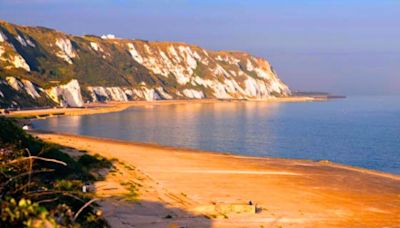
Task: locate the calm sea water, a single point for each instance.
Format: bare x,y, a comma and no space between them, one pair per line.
359,131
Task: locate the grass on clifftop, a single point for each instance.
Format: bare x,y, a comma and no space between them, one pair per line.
41,186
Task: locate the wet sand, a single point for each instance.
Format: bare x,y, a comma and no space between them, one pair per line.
190,184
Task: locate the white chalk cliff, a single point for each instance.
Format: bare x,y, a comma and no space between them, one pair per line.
90,68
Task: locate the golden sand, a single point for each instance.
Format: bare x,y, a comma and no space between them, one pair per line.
180,186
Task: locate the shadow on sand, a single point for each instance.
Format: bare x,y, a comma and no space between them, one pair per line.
122,213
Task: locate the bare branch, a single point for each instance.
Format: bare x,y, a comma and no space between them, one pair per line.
38,158
55,192
25,174
30,168
82,208
48,200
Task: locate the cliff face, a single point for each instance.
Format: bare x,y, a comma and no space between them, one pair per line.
69,70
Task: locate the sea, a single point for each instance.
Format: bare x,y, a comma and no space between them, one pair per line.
361,131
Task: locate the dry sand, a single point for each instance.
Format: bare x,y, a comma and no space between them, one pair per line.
180,186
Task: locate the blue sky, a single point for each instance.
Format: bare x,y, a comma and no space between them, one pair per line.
342,46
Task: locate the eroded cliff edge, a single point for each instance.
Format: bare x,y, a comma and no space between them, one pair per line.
41,66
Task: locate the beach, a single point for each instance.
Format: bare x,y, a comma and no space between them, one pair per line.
200,114
189,188
114,106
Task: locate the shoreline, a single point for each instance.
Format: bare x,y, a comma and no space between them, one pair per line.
203,182
115,106
225,153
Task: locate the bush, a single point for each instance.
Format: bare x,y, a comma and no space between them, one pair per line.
24,213
94,162
38,192
11,133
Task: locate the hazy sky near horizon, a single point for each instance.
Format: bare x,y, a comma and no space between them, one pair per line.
341,46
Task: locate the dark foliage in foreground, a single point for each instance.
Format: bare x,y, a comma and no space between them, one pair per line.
41,186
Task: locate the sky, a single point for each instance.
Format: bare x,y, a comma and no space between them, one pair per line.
349,47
